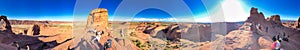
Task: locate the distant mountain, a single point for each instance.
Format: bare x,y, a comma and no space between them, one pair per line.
288,20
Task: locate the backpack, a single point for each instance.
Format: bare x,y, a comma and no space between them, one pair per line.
108,44
273,46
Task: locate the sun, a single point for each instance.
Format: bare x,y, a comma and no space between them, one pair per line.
233,11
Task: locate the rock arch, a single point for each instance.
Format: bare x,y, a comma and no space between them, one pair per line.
7,26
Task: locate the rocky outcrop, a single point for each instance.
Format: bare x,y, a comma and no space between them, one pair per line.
196,33
256,17
10,38
265,42
240,39
141,27
297,23
267,28
275,18
256,33
29,22
97,19
7,23
23,40
173,32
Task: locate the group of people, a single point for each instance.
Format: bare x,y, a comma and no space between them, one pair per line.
98,34
19,47
277,40
107,45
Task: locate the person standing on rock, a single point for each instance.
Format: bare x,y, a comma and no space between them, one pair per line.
17,45
108,31
25,31
36,29
122,33
285,37
28,48
98,36
259,26
276,42
276,45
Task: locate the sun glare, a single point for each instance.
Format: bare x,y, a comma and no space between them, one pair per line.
233,11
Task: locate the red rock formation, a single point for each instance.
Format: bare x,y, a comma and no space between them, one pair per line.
261,33
173,32
269,28
7,23
98,19
141,27
7,38
275,18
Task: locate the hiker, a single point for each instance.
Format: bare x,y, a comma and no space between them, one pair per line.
107,45
28,48
93,31
25,31
259,27
267,29
274,38
18,46
276,45
98,36
279,38
36,29
109,32
122,34
285,37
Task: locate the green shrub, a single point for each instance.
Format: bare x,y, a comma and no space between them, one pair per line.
132,34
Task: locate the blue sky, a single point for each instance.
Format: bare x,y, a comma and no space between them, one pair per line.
62,10
37,9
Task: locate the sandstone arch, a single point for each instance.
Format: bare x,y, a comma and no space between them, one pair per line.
7,26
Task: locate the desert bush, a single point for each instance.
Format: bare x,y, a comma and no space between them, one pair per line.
165,24
168,42
132,34
139,44
176,46
168,48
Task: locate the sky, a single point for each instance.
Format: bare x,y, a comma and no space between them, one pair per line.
145,10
